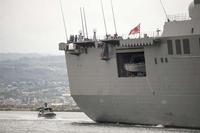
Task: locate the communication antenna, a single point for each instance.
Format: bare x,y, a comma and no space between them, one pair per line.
83,29
164,10
104,17
113,17
85,23
63,17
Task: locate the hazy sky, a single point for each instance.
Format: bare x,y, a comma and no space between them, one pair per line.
36,25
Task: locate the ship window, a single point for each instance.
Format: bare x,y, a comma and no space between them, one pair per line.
166,60
162,60
196,2
170,47
192,30
186,46
178,47
131,64
199,42
155,60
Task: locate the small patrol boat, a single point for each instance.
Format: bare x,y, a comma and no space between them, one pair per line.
46,112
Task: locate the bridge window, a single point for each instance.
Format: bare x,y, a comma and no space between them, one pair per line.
186,46
178,46
170,47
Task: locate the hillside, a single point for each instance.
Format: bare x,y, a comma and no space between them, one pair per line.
28,79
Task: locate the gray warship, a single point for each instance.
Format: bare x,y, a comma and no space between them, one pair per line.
146,80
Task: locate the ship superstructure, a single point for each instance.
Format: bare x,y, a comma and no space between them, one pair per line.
149,80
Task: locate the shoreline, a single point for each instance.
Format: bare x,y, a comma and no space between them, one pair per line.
9,109
35,108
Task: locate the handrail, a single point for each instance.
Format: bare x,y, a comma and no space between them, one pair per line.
179,17
138,35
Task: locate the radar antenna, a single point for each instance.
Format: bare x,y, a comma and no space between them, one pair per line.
63,17
164,10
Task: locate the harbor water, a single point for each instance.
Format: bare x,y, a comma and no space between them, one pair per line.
71,122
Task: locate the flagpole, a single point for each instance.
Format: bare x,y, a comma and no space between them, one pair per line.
140,30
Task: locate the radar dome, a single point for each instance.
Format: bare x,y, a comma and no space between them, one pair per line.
194,9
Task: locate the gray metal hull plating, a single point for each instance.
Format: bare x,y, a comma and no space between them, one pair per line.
177,111
168,95
168,90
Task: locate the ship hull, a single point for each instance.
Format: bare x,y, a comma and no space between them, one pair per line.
177,111
168,94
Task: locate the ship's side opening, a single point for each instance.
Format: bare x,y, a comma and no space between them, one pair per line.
131,64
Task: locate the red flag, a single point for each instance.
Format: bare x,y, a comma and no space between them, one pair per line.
135,30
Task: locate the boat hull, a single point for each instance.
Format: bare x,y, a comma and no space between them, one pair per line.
168,94
47,115
181,111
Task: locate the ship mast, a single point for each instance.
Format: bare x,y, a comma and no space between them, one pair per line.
164,10
114,18
85,23
82,23
64,22
104,20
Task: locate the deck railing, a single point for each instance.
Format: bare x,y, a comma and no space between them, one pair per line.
179,17
157,33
